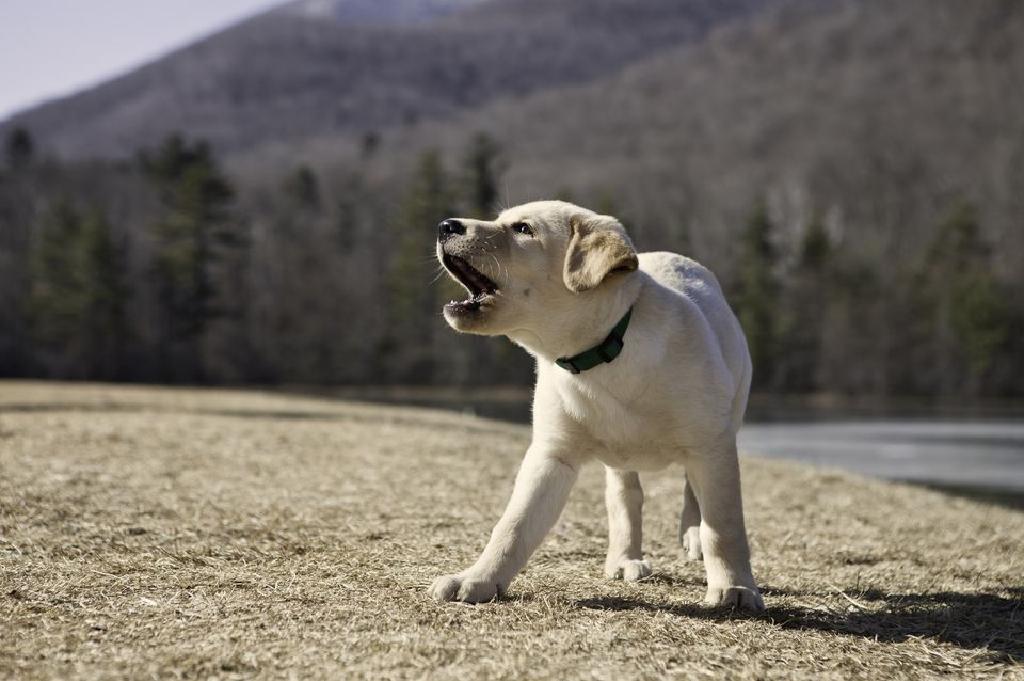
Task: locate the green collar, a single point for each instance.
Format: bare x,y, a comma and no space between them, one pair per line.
605,351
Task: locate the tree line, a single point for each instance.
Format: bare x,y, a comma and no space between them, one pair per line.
817,319
165,268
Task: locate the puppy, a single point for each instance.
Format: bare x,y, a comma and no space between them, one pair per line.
640,364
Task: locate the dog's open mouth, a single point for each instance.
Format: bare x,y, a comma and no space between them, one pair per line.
481,289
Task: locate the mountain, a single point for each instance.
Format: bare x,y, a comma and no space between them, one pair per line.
882,113
850,169
891,133
307,70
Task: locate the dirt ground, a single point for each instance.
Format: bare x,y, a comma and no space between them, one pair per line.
164,533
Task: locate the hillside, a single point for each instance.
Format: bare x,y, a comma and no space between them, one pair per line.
189,534
290,75
848,168
875,113
877,122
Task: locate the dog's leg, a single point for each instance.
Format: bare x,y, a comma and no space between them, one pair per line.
541,488
624,498
715,476
689,522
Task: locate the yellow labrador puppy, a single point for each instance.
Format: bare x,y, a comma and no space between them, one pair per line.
640,363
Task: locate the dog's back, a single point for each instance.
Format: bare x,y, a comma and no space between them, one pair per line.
700,286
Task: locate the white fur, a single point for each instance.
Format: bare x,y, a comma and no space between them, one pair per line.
676,394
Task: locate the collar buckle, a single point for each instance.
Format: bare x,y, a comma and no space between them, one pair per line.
568,365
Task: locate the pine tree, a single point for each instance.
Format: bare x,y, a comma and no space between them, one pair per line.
816,247
369,143
78,294
55,299
806,297
970,316
412,303
104,285
757,294
483,166
197,240
303,188
19,148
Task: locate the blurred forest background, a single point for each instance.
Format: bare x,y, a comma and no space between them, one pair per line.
260,207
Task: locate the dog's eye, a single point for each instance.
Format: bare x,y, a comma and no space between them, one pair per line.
522,228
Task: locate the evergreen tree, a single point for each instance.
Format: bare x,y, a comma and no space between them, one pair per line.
19,148
967,306
807,296
78,294
55,300
483,167
369,143
303,188
104,285
197,242
757,294
815,247
413,304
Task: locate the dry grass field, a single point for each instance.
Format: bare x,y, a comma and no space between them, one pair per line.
162,533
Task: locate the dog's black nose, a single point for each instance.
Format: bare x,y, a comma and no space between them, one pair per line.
449,227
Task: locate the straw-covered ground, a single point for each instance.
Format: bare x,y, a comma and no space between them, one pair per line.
194,534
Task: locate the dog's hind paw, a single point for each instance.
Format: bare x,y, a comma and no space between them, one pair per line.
465,588
691,543
627,569
739,597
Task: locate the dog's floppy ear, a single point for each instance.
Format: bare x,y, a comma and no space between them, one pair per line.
598,247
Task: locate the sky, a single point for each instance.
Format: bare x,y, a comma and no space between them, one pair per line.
50,48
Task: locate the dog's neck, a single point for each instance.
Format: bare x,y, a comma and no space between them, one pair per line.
582,327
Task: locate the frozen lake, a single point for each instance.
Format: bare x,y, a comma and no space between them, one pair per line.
972,450
977,454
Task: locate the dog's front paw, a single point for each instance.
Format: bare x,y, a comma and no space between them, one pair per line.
740,597
465,588
626,569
